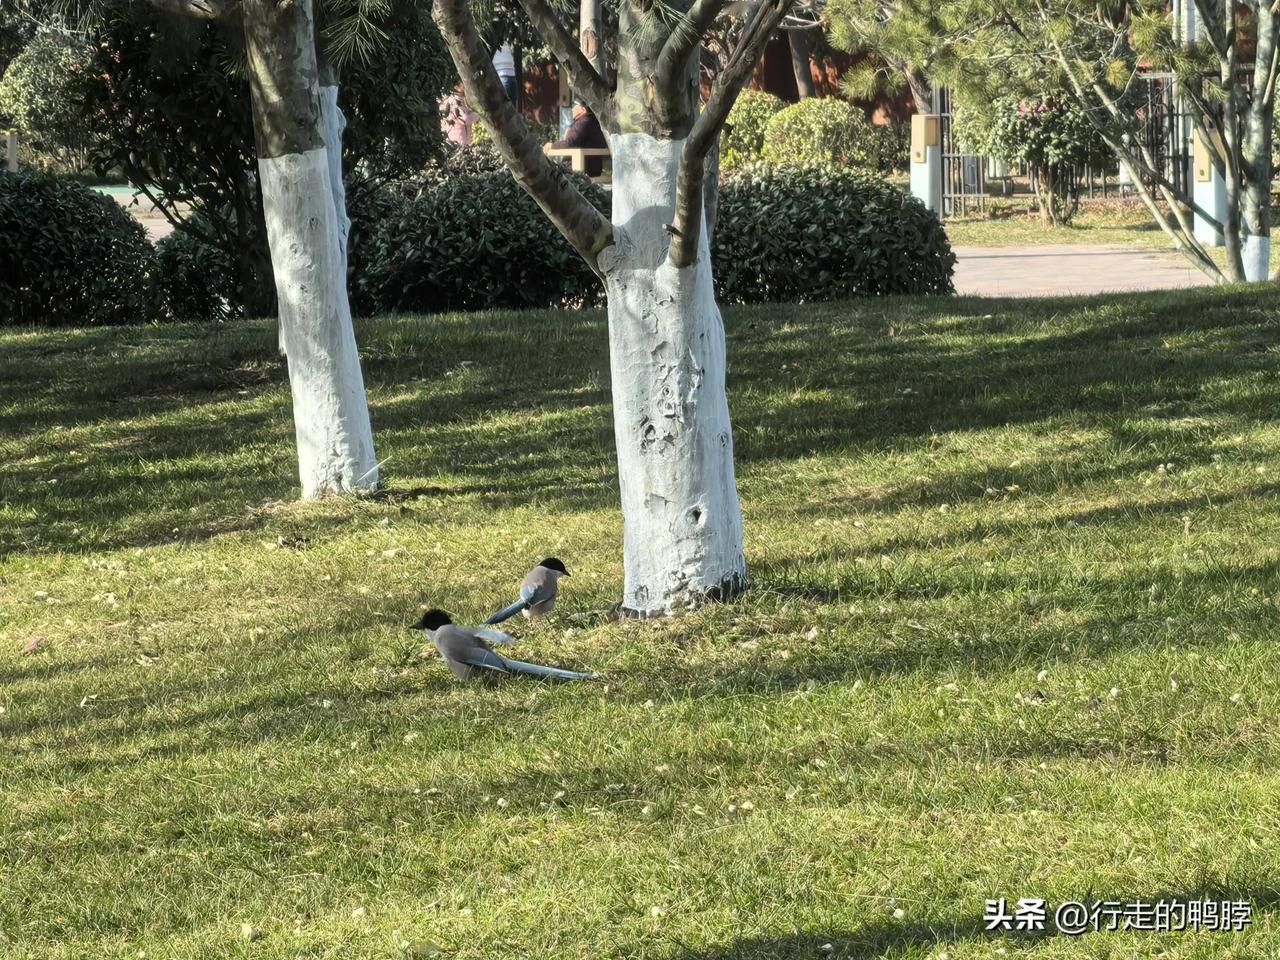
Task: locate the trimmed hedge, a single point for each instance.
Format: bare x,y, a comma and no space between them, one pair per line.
71,256
824,233
474,242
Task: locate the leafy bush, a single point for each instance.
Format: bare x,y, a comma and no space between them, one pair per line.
40,94
821,130
196,279
743,138
824,233
71,256
446,249
893,147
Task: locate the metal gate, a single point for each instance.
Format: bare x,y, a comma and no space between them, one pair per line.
964,187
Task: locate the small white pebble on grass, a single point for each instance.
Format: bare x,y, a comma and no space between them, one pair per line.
357,913
898,913
656,912
502,803
646,810
249,932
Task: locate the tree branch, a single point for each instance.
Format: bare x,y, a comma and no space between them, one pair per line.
706,129
582,224
583,76
685,37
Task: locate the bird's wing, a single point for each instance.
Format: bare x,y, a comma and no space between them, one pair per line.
494,636
480,656
538,587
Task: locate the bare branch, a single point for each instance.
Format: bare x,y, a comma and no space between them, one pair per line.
583,76
547,182
706,129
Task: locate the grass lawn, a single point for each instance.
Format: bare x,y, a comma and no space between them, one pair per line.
1013,222
1013,633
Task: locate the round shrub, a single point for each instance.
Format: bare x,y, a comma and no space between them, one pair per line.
197,279
474,242
821,130
71,256
824,233
743,136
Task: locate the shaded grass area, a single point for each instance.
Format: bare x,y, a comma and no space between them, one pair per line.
1012,634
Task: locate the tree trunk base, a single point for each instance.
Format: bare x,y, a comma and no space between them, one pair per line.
682,525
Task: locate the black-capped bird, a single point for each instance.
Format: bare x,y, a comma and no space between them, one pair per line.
466,650
538,592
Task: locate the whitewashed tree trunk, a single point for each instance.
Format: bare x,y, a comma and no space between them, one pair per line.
330,413
333,123
299,140
682,525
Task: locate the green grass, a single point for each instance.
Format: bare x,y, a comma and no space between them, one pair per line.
1012,633
1014,222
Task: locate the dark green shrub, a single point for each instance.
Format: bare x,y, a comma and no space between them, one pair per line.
197,279
70,256
743,136
474,242
893,147
824,233
821,130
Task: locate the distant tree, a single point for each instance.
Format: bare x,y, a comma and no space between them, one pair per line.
38,93
1225,75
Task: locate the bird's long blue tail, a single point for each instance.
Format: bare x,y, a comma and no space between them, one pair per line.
552,673
506,613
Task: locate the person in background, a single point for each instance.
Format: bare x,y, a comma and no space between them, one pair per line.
457,118
584,132
504,65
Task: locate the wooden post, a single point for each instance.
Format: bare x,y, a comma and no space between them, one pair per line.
11,150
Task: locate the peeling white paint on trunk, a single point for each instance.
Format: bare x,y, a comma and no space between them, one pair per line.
330,413
682,525
333,122
1255,253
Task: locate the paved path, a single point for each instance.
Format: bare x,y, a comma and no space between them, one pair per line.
1069,268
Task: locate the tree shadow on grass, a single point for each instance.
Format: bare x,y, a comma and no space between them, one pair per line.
882,940
825,378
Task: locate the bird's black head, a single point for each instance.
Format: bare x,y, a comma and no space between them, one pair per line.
554,563
432,620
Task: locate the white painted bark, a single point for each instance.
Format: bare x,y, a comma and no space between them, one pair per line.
333,122
682,525
1255,254
330,412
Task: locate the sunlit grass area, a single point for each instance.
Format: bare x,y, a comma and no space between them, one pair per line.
1012,633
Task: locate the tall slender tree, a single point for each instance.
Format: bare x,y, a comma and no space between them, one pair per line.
682,525
298,131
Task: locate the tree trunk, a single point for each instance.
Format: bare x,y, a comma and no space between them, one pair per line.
307,238
682,525
1255,152
798,41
